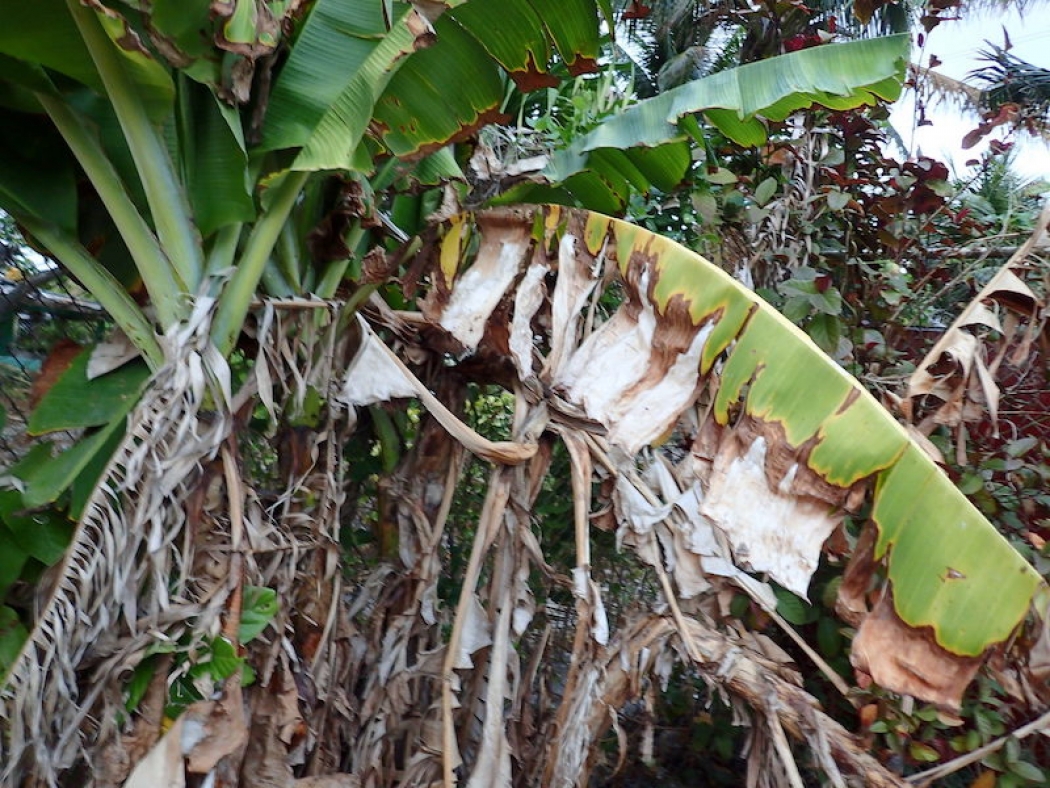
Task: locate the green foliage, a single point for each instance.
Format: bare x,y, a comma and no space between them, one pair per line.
258,608
75,401
30,541
198,673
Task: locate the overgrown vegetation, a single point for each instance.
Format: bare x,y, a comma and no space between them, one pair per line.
472,564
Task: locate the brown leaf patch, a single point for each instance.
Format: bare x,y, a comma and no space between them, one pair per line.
491,116
219,727
57,362
532,77
908,660
782,457
851,604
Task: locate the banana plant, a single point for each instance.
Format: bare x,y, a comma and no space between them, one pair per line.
179,158
165,153
146,147
180,151
782,443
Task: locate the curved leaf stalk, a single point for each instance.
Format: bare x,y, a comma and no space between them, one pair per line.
102,285
167,200
153,265
334,272
286,255
237,296
223,250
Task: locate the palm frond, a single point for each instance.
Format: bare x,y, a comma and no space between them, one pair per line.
1007,78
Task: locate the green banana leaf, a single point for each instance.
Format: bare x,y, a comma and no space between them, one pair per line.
448,90
643,145
195,163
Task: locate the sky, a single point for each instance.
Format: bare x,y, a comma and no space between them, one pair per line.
957,45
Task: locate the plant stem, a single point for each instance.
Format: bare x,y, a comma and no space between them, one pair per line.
954,765
167,200
101,284
287,257
223,248
152,264
237,297
333,273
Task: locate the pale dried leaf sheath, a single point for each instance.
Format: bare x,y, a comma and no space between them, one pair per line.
127,541
376,374
641,649
964,350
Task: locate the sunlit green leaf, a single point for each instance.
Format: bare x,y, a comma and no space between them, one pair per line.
839,76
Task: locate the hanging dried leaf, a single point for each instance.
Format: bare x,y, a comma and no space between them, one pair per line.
164,763
959,370
909,660
796,458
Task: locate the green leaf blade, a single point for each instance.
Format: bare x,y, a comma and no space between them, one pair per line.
75,402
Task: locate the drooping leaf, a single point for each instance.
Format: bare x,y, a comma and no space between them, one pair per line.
795,438
419,108
336,38
516,39
573,27
455,86
335,142
739,100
